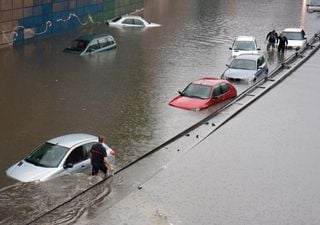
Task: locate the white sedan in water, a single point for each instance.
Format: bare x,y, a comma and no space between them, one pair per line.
296,37
58,156
244,45
131,21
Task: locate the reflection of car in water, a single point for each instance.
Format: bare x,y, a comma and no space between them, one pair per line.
296,37
61,155
246,67
131,21
89,44
202,93
313,6
244,44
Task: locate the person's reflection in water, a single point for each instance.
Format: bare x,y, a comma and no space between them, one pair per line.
270,57
281,58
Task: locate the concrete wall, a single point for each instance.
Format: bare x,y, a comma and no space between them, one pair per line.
22,21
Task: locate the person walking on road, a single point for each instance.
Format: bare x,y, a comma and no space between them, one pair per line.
272,37
282,43
99,160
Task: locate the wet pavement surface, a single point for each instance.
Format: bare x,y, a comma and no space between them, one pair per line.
122,94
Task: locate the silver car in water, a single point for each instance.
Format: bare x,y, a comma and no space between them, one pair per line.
66,154
131,21
90,44
246,67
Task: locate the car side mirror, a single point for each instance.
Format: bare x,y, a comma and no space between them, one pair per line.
258,49
227,65
180,93
68,165
230,48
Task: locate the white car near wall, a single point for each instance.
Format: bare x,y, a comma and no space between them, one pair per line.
131,21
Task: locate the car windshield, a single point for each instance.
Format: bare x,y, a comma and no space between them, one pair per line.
244,64
47,155
293,35
116,19
197,91
314,2
79,45
244,45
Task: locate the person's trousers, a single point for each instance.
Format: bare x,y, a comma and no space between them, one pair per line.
97,167
281,48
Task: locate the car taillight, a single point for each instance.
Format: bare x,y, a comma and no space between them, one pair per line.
112,152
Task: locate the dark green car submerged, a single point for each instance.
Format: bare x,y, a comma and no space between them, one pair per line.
90,44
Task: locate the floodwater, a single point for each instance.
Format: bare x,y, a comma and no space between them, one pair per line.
124,93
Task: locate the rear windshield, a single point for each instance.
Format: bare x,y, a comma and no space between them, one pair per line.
293,35
116,19
314,2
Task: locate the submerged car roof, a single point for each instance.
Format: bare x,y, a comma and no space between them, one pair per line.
292,30
70,140
126,17
90,37
210,81
131,16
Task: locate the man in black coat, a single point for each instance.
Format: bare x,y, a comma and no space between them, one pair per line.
282,43
272,37
99,160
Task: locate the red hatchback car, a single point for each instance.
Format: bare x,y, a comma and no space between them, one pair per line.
205,92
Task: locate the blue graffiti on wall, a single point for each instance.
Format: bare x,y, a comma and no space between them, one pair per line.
47,22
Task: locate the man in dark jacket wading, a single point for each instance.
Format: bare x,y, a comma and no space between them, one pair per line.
272,37
282,43
99,160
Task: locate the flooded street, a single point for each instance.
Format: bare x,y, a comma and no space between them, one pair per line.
123,93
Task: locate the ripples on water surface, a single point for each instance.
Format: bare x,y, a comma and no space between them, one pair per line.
22,203
123,93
